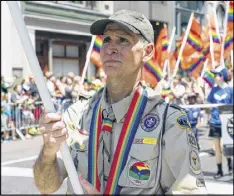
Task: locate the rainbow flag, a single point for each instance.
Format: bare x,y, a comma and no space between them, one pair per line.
214,34
194,36
152,67
161,46
97,43
209,78
200,60
230,14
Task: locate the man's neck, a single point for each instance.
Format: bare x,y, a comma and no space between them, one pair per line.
119,88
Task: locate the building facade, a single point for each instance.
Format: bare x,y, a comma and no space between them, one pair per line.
59,30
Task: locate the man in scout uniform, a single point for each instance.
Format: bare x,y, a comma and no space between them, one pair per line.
116,137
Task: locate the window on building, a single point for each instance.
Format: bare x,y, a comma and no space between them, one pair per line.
220,16
91,4
193,5
39,48
17,72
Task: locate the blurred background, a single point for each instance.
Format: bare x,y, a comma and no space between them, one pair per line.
59,31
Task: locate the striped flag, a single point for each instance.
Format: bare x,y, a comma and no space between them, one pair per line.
208,77
215,38
161,46
95,54
230,16
228,41
154,69
193,42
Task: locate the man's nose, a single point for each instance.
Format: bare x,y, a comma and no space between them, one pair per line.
111,48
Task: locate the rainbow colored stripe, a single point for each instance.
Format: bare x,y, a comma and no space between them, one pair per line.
107,125
97,44
152,67
164,44
194,40
126,137
209,78
230,12
214,34
95,130
193,66
228,41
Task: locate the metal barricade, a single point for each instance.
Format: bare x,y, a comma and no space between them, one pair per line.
25,118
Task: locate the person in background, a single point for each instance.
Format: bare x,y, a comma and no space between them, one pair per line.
18,99
178,89
193,115
220,93
6,118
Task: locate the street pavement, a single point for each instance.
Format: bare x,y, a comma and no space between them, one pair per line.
18,158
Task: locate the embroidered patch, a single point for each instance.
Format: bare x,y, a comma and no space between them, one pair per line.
191,139
200,182
150,122
183,122
194,161
139,173
145,140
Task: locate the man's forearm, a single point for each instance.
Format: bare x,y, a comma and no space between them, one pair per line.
47,175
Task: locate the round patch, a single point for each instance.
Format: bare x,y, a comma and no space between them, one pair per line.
139,173
194,160
150,122
183,122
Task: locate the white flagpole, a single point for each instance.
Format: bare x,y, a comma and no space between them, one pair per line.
204,67
42,88
224,35
232,58
183,43
87,59
166,64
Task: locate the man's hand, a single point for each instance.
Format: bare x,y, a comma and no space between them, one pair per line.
87,186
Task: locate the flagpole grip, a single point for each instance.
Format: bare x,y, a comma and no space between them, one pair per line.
42,88
183,43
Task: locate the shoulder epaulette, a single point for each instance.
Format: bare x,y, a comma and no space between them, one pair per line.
176,107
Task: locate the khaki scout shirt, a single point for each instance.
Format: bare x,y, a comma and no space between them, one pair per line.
181,169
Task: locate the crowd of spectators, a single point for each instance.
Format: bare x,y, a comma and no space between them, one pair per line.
20,98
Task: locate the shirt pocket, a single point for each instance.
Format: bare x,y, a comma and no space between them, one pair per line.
79,155
140,169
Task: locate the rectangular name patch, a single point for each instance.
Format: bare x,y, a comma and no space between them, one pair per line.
145,140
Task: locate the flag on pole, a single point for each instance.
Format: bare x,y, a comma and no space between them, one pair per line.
95,54
194,42
215,38
228,41
209,78
230,16
154,69
161,46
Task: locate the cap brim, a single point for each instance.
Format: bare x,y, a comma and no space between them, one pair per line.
214,71
98,27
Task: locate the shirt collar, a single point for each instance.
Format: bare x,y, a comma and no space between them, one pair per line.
120,108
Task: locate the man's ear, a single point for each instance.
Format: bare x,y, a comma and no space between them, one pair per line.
148,52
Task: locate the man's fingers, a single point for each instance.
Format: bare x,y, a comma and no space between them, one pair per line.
87,186
50,117
59,133
46,128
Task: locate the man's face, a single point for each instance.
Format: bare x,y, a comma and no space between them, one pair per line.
121,52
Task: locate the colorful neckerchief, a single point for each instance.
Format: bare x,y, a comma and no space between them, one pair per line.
130,126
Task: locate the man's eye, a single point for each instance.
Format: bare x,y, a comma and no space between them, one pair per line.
106,39
122,39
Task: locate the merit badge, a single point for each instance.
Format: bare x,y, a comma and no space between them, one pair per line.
139,173
191,139
194,160
183,122
200,182
150,122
